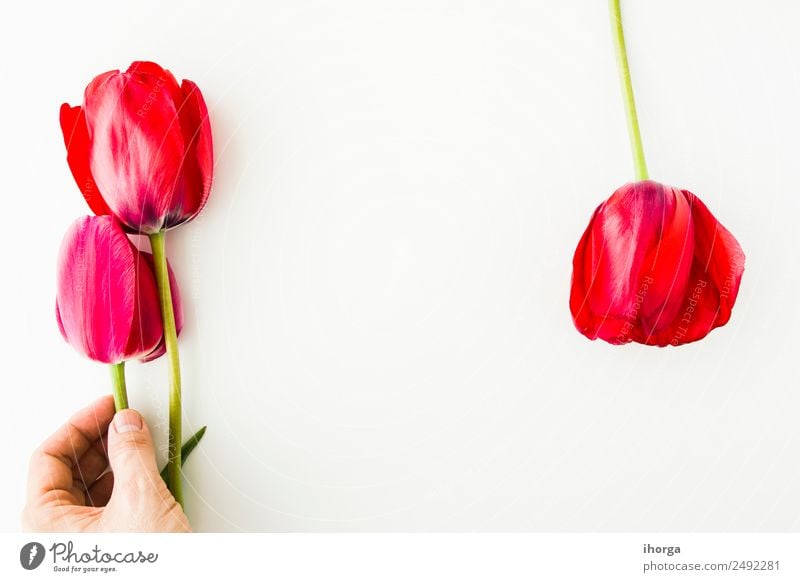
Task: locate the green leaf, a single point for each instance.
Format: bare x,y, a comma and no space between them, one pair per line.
187,448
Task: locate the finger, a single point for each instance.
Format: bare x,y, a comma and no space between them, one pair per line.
52,464
140,500
130,448
139,490
92,464
100,492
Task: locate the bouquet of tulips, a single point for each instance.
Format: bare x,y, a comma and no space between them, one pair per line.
140,151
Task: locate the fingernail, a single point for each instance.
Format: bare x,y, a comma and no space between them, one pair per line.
127,421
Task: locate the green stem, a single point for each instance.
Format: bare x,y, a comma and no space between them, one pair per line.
627,91
119,390
157,242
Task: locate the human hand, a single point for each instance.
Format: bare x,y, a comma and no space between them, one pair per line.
69,489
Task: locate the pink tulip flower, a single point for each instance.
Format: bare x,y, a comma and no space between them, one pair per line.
107,304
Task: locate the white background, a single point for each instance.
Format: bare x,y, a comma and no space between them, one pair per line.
377,325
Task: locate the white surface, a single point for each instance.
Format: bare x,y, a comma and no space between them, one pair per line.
377,327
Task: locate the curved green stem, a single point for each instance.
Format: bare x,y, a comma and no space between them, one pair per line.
119,390
627,91
158,244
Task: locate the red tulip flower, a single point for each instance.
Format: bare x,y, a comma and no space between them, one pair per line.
140,147
107,303
654,267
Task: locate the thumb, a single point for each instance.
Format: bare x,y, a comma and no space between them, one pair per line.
131,454
140,500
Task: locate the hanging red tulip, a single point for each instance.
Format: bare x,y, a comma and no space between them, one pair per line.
107,300
140,147
654,265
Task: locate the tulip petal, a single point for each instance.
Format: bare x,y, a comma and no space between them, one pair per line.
94,289
146,330
718,256
198,162
627,225
610,260
150,73
610,328
137,146
76,138
101,299
717,268
697,316
148,68
667,266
